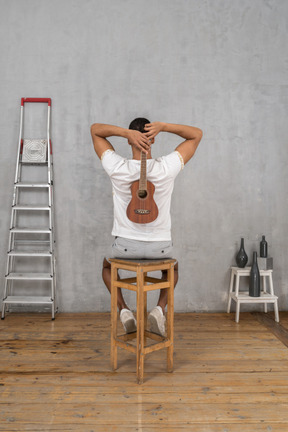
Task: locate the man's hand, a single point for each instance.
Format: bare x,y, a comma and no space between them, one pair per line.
192,136
153,129
100,133
139,140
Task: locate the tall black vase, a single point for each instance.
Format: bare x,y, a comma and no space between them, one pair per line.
241,257
254,282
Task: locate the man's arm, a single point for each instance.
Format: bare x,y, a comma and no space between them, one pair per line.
192,136
100,133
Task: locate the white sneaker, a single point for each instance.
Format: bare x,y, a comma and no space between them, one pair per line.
156,321
128,320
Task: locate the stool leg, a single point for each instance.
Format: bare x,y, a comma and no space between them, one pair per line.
230,291
145,310
145,316
264,291
276,311
237,299
113,317
264,284
170,319
140,326
271,284
237,285
237,311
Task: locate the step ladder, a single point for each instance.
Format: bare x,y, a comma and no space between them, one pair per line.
32,247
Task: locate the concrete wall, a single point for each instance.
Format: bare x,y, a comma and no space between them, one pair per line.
219,65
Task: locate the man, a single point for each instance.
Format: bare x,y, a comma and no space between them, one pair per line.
150,240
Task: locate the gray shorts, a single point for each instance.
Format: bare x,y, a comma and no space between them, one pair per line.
136,249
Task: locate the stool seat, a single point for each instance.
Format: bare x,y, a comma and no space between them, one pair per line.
243,296
143,261
141,284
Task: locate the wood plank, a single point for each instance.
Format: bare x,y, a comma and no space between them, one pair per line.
184,380
88,394
271,427
95,414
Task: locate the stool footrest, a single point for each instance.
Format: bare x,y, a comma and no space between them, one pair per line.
153,280
156,286
244,297
130,280
125,345
165,344
122,343
129,286
153,336
130,336
127,336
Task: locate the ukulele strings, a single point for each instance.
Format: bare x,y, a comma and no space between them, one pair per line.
143,174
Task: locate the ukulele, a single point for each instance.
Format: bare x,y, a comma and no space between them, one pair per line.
142,207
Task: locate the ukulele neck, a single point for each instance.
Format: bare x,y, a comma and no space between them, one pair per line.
143,176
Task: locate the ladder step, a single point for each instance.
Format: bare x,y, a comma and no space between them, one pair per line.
30,207
31,230
28,300
33,242
32,253
32,185
29,276
34,163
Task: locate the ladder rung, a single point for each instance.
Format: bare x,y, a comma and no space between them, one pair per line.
29,276
30,207
34,163
28,300
32,242
32,185
32,253
31,230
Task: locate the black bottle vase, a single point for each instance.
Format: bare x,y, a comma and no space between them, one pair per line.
241,257
254,282
263,248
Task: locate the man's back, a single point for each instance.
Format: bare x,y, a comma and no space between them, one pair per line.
161,172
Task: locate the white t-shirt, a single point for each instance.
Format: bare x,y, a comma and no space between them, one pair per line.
123,172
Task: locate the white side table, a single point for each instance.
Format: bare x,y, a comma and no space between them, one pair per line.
243,296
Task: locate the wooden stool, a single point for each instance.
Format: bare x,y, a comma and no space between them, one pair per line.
243,296
141,284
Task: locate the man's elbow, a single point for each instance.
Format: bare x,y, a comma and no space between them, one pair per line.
93,129
199,135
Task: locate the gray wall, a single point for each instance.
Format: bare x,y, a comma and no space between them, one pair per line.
220,65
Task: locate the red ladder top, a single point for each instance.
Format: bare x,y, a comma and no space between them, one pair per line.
43,100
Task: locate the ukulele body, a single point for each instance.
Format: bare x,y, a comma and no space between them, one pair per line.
142,209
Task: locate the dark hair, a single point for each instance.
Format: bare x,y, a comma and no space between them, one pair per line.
139,124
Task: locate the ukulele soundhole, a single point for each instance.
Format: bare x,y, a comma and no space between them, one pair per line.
142,193
142,212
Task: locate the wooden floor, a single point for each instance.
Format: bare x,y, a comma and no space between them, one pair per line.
55,376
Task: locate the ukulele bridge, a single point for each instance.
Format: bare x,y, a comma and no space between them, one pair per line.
141,211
